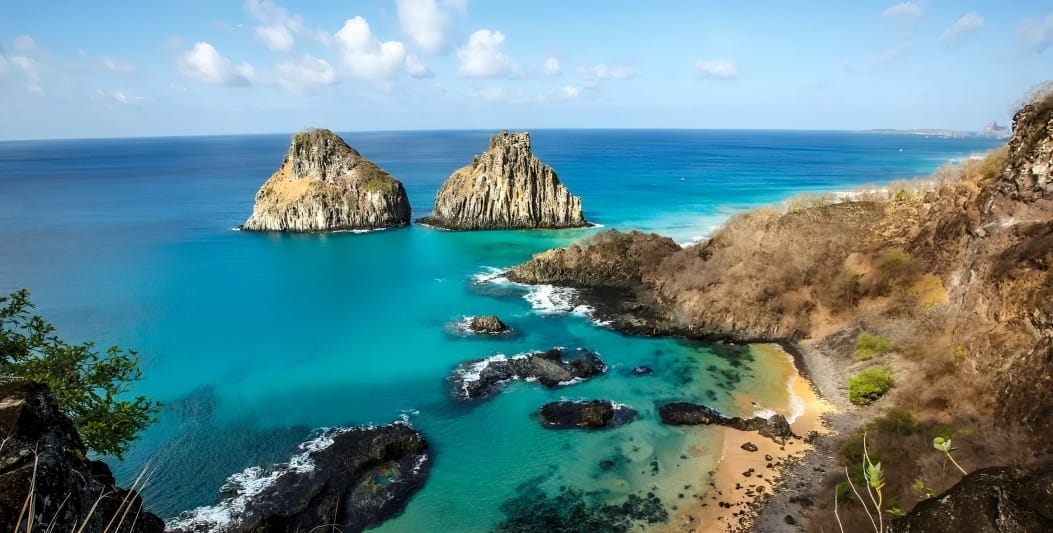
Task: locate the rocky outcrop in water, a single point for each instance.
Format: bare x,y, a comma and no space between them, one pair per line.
325,185
473,380
346,479
992,500
42,454
1030,159
487,324
693,414
592,414
506,187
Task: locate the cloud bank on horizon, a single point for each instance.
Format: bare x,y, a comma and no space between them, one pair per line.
200,67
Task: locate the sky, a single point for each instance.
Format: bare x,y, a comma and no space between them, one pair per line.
106,68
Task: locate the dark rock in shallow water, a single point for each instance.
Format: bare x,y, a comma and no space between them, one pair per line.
693,414
534,511
346,478
590,414
36,436
991,500
488,324
643,371
483,378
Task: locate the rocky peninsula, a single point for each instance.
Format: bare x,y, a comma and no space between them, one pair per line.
506,187
325,185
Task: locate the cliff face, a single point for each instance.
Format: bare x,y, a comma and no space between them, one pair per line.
325,185
42,461
1031,151
505,188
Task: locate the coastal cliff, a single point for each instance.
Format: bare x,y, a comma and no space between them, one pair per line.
954,276
506,187
45,478
325,185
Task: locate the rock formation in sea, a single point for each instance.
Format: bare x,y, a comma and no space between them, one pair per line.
592,414
42,462
482,378
693,414
487,324
325,185
996,500
506,187
345,479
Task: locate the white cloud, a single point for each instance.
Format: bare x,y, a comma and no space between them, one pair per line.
204,63
717,68
277,37
606,72
365,56
25,43
481,56
425,23
969,23
416,68
552,66
893,54
297,74
905,10
570,92
1037,33
117,65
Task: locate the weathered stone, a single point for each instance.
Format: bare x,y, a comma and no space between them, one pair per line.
693,414
488,324
41,453
584,414
483,378
325,185
348,479
1029,168
506,187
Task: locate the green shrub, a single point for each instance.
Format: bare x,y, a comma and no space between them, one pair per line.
869,346
869,385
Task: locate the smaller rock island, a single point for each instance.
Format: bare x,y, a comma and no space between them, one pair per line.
325,185
506,187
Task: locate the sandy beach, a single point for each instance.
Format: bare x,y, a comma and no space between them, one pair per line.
750,465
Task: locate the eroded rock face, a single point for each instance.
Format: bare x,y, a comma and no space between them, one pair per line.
693,414
487,324
990,500
325,185
32,429
506,187
1030,160
473,380
347,478
593,414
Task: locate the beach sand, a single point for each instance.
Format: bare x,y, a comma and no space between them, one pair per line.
743,477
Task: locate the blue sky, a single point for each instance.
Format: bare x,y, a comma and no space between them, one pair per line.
107,68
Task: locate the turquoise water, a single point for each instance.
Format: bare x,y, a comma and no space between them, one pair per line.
251,340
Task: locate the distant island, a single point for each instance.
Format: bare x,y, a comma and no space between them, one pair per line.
990,131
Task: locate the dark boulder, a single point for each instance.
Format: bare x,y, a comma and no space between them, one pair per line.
348,479
483,378
693,414
66,488
584,414
488,324
749,447
991,500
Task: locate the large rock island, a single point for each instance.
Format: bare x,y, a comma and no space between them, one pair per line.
325,185
506,187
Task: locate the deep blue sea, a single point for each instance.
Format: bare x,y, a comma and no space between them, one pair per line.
252,340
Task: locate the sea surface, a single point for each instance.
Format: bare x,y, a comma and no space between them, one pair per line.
254,340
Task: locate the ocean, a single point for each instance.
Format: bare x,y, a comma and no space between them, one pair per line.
254,340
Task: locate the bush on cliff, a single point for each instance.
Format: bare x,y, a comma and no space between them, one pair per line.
869,385
90,386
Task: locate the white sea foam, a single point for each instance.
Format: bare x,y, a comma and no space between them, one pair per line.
243,486
420,463
796,404
764,413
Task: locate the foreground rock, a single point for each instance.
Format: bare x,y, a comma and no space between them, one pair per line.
325,185
506,187
592,414
473,380
488,324
346,479
34,434
991,500
693,414
1029,168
